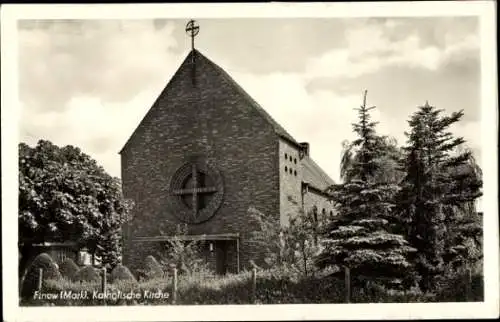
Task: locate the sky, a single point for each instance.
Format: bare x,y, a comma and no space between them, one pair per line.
88,83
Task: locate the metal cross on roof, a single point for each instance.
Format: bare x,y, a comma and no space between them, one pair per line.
192,29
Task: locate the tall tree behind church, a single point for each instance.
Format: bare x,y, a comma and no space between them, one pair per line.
387,169
441,184
359,237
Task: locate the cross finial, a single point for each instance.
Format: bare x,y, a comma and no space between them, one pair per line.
192,29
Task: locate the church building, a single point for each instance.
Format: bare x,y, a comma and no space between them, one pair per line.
203,155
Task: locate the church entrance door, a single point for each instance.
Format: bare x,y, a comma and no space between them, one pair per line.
221,257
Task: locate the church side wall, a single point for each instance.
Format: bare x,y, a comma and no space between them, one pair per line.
324,206
211,121
290,181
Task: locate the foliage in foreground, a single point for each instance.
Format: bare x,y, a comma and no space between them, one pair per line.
65,195
152,269
50,272
186,256
87,274
121,273
274,286
293,245
68,269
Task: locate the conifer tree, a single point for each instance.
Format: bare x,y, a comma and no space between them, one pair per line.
359,237
437,191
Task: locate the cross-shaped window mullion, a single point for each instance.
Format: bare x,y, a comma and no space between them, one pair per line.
195,194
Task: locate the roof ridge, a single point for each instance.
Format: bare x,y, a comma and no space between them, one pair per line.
277,127
166,87
317,171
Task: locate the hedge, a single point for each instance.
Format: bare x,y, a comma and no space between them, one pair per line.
121,273
68,269
30,282
454,288
153,269
87,274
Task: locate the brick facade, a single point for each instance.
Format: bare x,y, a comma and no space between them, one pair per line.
295,176
214,121
316,199
290,181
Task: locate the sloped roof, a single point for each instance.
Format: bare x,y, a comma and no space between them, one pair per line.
277,127
280,131
314,175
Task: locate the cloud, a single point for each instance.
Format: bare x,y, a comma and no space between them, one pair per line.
113,59
372,46
98,127
89,83
322,118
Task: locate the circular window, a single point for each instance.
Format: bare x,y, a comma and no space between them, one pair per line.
196,192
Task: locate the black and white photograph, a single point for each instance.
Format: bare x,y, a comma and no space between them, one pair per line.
273,161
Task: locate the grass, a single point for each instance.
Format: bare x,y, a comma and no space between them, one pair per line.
273,286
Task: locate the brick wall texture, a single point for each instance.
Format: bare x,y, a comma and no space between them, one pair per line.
213,120
290,181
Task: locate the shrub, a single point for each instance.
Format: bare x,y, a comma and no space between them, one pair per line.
152,269
68,268
186,256
87,274
30,282
374,292
121,273
457,287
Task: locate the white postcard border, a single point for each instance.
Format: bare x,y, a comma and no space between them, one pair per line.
9,139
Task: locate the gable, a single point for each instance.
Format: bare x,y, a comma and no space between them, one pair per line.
276,126
207,63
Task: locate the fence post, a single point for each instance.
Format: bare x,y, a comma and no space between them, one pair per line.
103,284
347,284
40,279
468,285
103,280
254,285
174,286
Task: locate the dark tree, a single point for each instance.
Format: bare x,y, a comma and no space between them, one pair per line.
360,236
64,195
440,185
